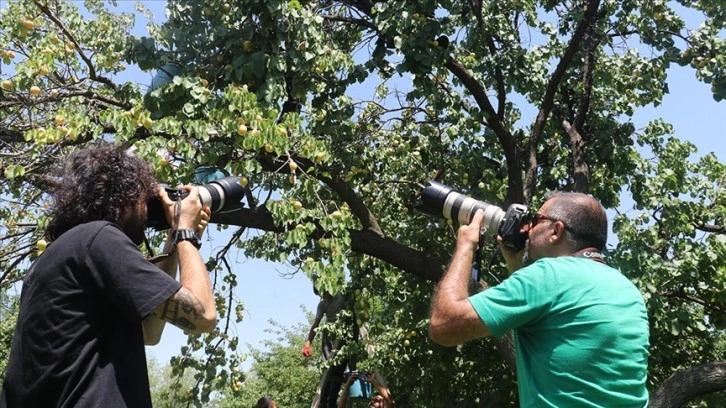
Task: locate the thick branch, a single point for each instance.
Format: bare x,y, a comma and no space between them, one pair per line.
476,8
505,138
11,136
425,265
580,170
589,18
499,77
716,229
422,264
583,105
686,385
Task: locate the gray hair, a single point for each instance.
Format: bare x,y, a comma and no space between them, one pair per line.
586,224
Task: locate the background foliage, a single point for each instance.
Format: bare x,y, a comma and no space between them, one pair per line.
335,113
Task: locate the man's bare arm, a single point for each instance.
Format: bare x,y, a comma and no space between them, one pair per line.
453,319
183,310
191,308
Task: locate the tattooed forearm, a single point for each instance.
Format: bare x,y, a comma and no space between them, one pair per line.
182,307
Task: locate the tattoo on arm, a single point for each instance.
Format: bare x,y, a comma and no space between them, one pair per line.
181,307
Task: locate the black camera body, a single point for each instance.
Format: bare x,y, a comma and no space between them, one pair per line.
225,194
510,226
441,201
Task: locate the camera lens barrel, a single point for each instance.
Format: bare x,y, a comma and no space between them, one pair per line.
462,208
440,200
212,196
223,194
220,195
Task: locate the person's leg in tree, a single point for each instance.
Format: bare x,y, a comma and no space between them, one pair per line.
327,346
328,393
334,384
324,395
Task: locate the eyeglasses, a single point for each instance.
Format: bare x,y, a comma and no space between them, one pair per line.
539,217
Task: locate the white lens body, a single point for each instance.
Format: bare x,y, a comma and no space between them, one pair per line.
462,208
206,196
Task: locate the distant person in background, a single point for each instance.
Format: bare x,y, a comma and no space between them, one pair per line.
382,399
328,307
266,402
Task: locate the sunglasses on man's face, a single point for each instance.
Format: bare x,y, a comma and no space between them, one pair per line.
536,218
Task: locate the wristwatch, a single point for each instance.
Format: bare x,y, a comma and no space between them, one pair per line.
187,235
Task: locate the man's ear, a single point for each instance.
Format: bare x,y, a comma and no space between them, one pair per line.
558,232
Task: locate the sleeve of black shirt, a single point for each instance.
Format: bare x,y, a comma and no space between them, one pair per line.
130,282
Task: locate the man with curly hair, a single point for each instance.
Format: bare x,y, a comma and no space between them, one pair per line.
91,300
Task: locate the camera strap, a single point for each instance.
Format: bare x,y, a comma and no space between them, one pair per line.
158,258
590,253
476,267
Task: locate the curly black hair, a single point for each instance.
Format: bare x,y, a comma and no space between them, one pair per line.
97,183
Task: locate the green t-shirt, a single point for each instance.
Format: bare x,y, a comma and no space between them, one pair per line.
581,333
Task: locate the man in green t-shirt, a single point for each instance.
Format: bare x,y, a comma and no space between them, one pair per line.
580,327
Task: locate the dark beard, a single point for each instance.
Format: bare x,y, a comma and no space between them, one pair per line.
526,260
136,231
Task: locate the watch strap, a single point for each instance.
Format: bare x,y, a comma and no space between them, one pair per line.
187,235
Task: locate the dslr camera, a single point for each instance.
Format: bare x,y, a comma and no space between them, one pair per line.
220,195
441,201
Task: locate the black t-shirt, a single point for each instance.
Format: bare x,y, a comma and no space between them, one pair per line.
78,340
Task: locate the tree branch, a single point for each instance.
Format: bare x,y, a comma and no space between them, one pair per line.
583,105
630,32
580,169
91,69
716,229
503,135
11,136
356,21
681,294
357,206
499,77
419,263
87,93
686,385
588,19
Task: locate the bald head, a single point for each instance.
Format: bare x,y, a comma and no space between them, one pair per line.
584,217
